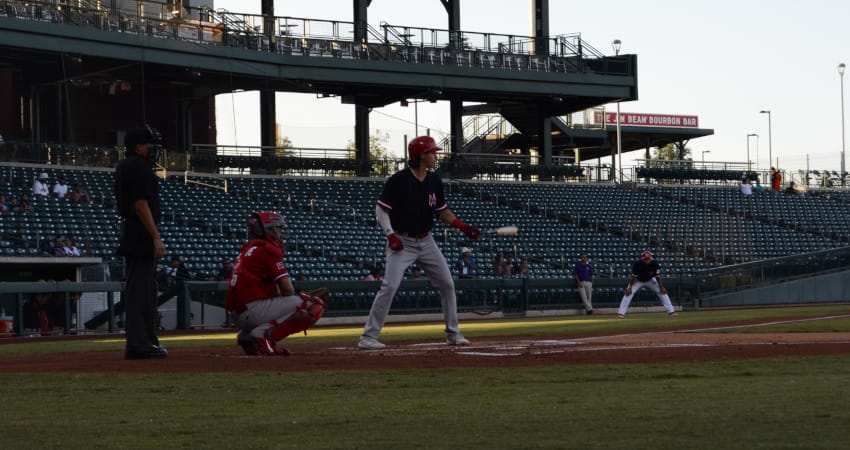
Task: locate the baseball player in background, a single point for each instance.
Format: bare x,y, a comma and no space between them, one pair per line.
405,212
584,273
260,299
646,273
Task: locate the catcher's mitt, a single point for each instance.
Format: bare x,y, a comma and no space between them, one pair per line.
322,292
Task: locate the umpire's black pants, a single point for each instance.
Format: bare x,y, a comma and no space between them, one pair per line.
140,297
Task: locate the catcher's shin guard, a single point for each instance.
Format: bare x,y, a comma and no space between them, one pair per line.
310,310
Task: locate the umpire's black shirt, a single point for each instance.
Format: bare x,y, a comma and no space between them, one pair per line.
136,180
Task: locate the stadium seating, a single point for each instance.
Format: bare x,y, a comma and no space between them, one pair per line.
331,233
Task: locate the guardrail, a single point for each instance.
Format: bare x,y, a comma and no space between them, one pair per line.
767,272
509,296
566,53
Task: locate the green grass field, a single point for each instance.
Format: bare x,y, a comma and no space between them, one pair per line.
772,403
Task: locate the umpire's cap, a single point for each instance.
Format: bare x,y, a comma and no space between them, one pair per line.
144,135
138,136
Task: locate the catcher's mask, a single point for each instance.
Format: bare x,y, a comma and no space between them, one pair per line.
267,225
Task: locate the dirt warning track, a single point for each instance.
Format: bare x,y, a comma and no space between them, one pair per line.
680,345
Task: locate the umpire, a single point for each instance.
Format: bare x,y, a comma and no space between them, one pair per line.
137,193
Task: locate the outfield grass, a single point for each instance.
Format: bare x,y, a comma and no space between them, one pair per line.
775,403
771,404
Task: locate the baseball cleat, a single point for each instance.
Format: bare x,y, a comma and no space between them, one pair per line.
457,340
674,313
150,352
269,347
621,316
250,347
370,344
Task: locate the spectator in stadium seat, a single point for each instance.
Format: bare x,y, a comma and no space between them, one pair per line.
4,205
775,180
56,247
70,247
225,271
73,196
24,206
792,189
509,266
758,187
415,273
466,264
746,187
498,265
81,193
39,185
60,189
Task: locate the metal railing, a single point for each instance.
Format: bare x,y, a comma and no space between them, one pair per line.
326,38
766,272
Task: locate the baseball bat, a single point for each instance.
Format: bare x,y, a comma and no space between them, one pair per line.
509,230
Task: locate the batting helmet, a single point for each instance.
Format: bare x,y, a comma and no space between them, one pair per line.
267,225
420,146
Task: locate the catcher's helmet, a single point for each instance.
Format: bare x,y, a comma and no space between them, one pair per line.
420,146
267,225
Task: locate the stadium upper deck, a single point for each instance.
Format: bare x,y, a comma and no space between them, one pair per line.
88,71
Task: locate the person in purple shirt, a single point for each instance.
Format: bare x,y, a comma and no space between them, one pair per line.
584,274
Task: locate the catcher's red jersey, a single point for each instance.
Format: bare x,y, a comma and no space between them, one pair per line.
255,274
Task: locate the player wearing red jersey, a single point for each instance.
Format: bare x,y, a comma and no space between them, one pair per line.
260,299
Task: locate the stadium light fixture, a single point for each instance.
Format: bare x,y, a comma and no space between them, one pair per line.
769,138
703,157
749,163
616,45
841,76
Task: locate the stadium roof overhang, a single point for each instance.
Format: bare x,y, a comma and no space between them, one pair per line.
49,53
599,143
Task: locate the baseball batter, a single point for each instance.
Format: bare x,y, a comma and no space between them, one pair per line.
260,299
646,273
405,212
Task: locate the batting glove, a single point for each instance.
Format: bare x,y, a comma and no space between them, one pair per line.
394,242
470,231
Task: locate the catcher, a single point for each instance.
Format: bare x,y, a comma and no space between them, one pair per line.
260,299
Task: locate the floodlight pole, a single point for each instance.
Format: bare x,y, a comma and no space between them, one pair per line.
769,138
841,75
616,45
749,163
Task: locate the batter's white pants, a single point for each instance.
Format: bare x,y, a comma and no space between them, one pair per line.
428,257
585,292
652,285
259,314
